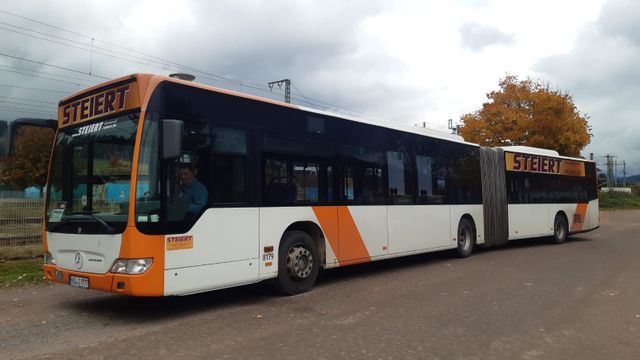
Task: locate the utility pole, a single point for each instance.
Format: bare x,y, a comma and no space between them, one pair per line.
610,176
624,174
287,88
454,129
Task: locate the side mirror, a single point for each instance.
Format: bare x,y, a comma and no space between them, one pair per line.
9,129
4,138
171,138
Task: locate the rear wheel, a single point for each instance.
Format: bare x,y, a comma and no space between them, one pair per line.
298,263
466,237
560,229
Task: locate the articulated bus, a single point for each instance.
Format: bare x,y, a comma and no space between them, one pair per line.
160,186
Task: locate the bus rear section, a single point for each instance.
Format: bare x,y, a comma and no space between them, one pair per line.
530,192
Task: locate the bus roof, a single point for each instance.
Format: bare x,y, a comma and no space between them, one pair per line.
145,78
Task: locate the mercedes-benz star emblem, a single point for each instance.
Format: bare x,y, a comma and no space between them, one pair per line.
78,260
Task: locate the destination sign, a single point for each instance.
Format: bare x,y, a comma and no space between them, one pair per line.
543,164
108,102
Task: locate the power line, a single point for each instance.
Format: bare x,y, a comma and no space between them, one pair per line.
25,104
86,47
44,77
42,72
51,65
36,89
12,108
85,36
167,65
31,100
163,62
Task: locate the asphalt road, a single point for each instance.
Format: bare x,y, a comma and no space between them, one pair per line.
527,300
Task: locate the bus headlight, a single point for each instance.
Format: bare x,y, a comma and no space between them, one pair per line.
131,266
48,259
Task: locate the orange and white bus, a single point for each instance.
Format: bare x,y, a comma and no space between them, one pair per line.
160,186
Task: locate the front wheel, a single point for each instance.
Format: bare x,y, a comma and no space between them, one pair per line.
560,229
466,237
298,263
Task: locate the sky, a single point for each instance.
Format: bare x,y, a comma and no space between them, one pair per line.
409,62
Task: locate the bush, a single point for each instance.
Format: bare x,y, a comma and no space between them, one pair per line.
617,200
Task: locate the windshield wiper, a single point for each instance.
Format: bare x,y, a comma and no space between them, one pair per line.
107,227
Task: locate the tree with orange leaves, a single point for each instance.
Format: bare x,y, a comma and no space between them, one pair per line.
29,163
525,112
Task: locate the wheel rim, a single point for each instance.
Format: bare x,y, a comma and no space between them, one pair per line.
299,262
560,231
464,238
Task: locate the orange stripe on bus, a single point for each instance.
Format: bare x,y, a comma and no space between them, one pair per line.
579,217
328,219
342,234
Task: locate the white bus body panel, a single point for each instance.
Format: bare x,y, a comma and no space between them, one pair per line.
224,252
535,220
97,252
530,220
418,227
371,222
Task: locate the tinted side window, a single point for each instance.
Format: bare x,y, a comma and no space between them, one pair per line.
296,182
533,188
401,175
364,178
229,166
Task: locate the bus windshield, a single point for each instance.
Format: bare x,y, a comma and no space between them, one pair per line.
90,177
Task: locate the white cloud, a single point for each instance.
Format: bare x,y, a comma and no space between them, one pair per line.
603,75
407,60
476,37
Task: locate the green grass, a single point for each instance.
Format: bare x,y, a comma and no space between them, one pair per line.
615,201
20,272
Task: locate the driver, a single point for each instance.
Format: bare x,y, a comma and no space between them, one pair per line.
192,189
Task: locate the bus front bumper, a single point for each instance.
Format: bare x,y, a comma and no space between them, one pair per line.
134,285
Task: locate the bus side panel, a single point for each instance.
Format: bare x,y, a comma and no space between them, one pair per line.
220,250
191,280
419,227
476,213
531,220
371,224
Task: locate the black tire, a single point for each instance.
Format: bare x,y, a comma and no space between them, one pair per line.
466,237
560,229
298,263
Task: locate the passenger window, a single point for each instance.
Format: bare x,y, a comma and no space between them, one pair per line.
306,176
395,162
401,178
293,182
363,185
425,178
279,185
229,165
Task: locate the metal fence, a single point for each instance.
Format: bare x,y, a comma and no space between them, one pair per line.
20,221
